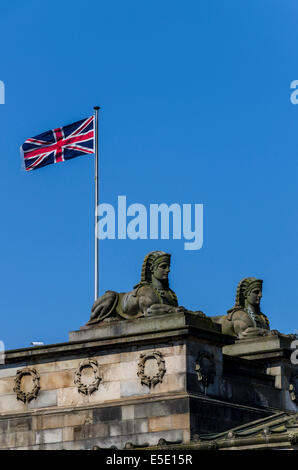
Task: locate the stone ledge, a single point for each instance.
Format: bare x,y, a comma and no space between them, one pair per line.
140,326
139,400
260,348
124,333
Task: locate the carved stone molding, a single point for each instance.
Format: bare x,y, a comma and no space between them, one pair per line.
205,368
22,395
84,388
152,379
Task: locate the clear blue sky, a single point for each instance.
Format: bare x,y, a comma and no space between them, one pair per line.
196,108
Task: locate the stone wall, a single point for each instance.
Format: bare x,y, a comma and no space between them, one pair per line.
137,381
121,409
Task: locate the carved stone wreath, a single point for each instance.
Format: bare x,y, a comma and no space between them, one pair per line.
205,368
156,378
84,388
25,397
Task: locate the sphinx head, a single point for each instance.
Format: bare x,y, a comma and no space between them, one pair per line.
156,266
249,293
161,267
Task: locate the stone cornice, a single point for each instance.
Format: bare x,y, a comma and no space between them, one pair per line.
123,334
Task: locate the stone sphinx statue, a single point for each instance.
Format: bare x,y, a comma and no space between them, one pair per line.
245,319
151,296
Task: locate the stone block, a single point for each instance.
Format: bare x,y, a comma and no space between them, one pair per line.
9,371
56,380
48,436
133,355
125,428
176,349
128,412
44,399
171,383
43,367
164,423
4,441
7,385
68,434
75,418
154,324
20,424
112,357
71,397
263,346
161,408
4,426
110,413
133,388
60,420
107,391
115,429
10,404
175,364
67,364
90,431
22,439
186,435
140,426
120,371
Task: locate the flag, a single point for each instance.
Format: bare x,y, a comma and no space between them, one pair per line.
59,144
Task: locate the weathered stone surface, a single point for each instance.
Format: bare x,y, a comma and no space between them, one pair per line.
21,424
161,408
60,420
128,412
56,380
4,440
164,423
71,397
91,430
107,391
146,325
110,413
49,436
22,439
68,434
44,399
10,371
112,372
9,404
4,425
6,386
133,388
250,348
128,427
175,364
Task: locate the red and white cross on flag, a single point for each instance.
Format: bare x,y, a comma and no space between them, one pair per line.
58,145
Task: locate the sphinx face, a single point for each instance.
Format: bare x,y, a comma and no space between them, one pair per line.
161,273
254,297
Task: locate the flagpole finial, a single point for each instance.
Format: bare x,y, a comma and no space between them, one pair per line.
96,108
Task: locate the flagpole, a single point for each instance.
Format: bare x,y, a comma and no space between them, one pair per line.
96,256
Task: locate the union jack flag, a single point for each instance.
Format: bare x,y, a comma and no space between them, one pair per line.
59,144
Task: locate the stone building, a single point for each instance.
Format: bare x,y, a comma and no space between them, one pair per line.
172,379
